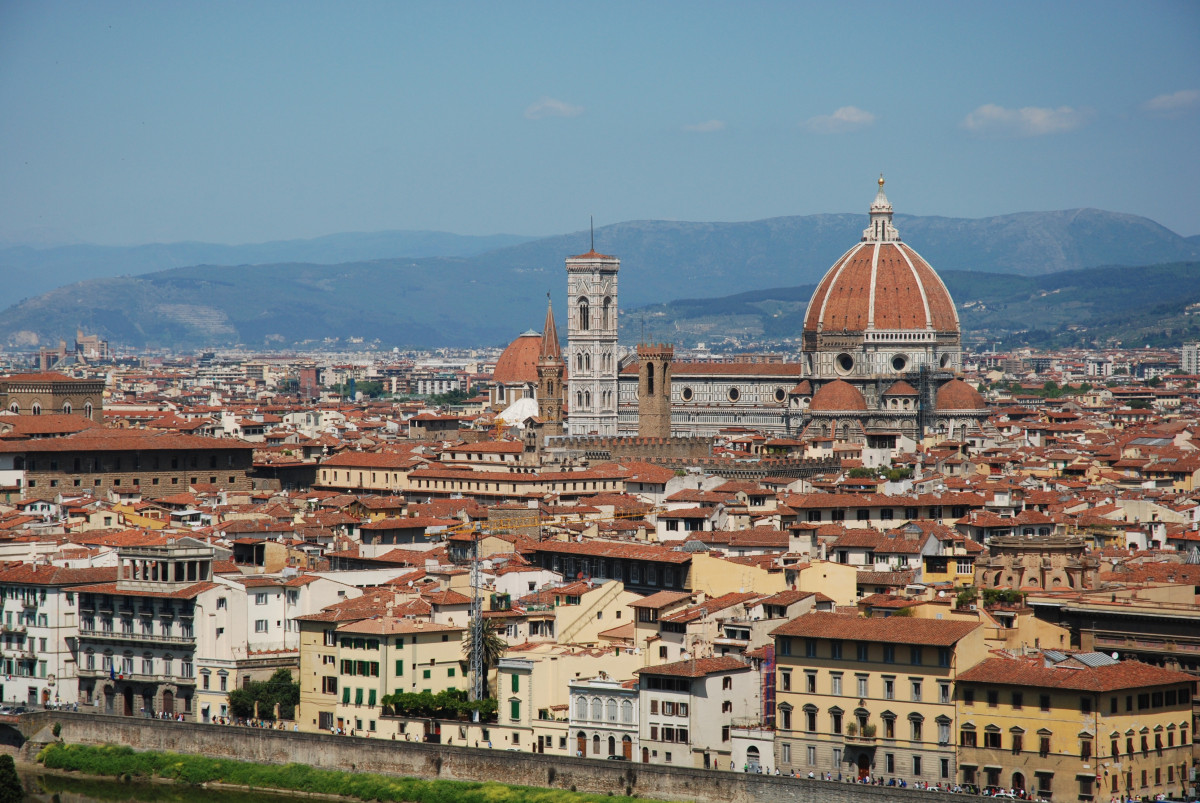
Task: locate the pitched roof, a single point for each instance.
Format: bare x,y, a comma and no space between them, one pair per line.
1034,672
697,668
892,630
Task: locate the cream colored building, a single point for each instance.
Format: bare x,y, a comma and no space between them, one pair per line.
874,697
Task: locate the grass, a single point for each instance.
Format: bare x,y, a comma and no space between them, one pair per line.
120,761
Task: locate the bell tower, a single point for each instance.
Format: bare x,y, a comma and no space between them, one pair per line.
654,390
550,370
592,344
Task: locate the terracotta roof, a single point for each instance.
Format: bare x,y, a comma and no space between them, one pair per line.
660,599
387,626
697,668
100,439
836,396
881,285
934,632
518,362
901,388
958,395
31,574
1034,672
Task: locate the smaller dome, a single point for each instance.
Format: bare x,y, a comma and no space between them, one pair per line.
518,362
958,395
901,388
803,389
838,396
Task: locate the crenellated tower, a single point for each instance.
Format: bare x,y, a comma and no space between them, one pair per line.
654,390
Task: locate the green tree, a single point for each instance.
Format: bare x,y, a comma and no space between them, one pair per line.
11,789
267,693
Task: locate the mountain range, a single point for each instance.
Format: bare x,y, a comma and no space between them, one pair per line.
462,295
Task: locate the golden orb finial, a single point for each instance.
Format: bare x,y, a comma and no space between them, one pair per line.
881,180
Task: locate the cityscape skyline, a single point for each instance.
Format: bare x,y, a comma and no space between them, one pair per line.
253,123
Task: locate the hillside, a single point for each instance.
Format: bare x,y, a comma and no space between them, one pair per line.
1157,306
30,271
488,298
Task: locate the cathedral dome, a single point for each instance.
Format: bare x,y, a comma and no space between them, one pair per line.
881,284
518,362
958,395
836,397
901,388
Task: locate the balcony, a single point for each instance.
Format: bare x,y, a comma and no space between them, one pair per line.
133,637
137,677
12,628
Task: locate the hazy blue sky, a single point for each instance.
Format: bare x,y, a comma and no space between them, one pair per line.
248,121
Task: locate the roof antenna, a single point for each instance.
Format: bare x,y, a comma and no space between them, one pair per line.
592,224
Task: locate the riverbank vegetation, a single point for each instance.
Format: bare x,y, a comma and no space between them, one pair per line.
120,762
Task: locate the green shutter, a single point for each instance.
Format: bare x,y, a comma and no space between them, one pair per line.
450,672
346,694
425,674
516,683
358,696
371,698
399,667
516,708
374,669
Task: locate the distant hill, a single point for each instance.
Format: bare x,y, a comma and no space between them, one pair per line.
1157,306
487,298
29,271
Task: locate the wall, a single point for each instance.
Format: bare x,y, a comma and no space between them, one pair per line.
455,763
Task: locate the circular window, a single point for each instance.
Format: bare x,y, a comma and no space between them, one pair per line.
899,362
686,394
734,394
945,360
780,394
845,363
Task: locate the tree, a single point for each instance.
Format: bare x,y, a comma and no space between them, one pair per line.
267,693
494,646
11,789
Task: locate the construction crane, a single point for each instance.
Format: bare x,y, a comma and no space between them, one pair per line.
478,627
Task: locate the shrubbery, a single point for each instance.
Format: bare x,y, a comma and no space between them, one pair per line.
448,704
115,761
279,689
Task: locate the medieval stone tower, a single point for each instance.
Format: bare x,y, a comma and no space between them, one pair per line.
654,390
550,370
592,344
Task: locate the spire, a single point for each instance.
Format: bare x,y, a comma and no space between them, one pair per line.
881,229
550,351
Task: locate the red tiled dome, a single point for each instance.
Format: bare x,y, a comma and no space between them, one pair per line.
518,362
838,396
884,285
958,395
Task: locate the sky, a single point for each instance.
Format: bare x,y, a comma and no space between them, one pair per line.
232,122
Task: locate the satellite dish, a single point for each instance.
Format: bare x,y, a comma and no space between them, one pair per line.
1114,656
941,594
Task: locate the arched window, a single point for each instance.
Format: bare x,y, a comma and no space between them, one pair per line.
612,710
87,409
627,711
14,408
67,407
597,709
581,707
607,321
579,399
596,745
584,320
37,408
587,399
587,362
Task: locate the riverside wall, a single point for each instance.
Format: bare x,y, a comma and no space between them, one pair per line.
430,761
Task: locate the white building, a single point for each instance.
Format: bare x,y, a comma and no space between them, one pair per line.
687,710
1190,364
604,717
592,356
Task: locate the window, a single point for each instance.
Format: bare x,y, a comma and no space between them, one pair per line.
1085,705
835,650
991,739
916,690
260,625
993,698
810,682
835,718
1044,702
785,680
915,656
889,688
862,685
516,683
943,656
889,763
1018,743
916,765
967,738
968,696
810,719
1085,749
943,693
889,653
943,731
862,652
1018,699
917,727
810,648
515,710
835,684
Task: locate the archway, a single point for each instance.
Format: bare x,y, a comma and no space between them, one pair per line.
581,744
1018,782
864,765
752,759
612,745
645,755
596,745
627,748
128,694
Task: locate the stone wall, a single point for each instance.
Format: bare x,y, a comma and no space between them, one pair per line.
452,763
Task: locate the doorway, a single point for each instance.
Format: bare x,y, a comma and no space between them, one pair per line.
752,759
581,745
864,765
168,703
645,755
128,706
1018,782
627,748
